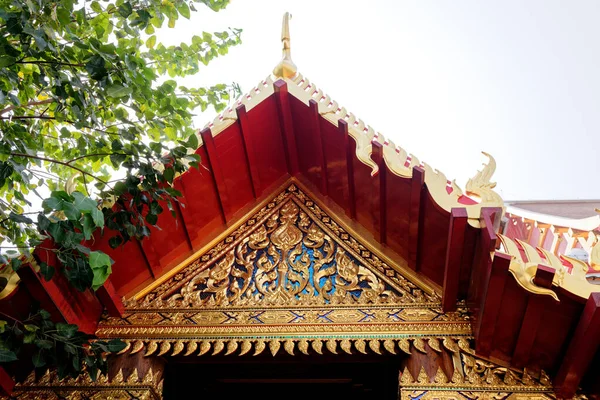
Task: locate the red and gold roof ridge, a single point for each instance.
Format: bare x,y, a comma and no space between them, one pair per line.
478,192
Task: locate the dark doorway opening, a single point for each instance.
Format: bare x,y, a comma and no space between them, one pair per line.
351,377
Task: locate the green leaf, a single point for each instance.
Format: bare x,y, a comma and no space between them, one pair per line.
115,345
63,15
15,263
96,67
57,232
152,219
19,218
66,330
151,42
52,203
43,222
97,217
125,9
171,23
46,270
96,7
184,10
82,203
88,226
44,344
71,212
7,356
29,338
6,170
169,174
192,141
120,188
38,359
2,326
117,91
100,263
115,241
5,61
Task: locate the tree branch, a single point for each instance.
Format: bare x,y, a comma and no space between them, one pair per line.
31,103
51,63
95,155
61,163
64,120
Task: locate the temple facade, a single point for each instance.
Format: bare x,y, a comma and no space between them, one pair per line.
311,256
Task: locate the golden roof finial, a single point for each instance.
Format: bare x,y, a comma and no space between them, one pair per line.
286,67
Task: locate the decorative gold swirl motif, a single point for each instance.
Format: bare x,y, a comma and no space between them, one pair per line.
288,260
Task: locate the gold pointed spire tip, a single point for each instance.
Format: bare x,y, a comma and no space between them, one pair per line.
286,67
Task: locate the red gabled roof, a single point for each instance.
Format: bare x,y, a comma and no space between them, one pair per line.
288,129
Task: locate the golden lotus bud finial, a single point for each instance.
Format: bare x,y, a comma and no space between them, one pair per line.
286,67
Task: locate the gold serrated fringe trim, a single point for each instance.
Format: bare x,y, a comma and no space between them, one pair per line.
200,347
148,386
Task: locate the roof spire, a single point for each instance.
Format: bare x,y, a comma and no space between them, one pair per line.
286,67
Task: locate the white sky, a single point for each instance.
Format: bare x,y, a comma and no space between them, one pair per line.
442,79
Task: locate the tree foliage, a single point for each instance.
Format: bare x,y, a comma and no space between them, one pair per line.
94,126
55,345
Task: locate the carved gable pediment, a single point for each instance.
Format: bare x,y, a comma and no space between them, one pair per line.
290,253
289,273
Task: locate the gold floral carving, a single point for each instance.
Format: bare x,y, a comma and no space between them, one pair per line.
132,387
290,252
289,260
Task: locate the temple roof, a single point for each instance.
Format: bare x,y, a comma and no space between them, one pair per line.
401,231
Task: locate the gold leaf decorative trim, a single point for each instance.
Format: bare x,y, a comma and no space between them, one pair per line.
130,387
474,373
523,271
244,345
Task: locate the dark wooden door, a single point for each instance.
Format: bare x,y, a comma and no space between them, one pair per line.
287,378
